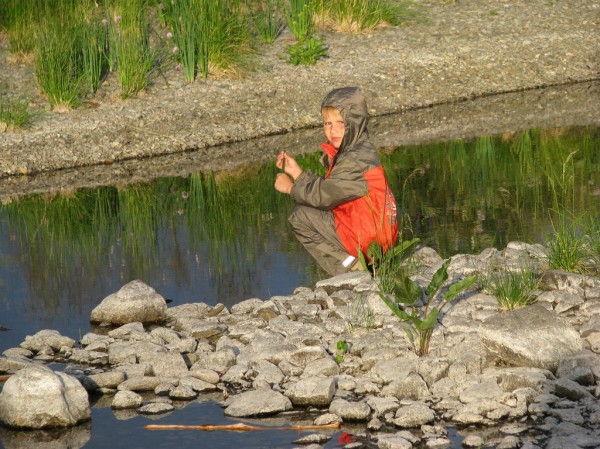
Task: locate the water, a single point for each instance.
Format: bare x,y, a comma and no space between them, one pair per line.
223,237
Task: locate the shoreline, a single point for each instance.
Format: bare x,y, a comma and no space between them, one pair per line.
466,51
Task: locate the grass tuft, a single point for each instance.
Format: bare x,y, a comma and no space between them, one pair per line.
512,289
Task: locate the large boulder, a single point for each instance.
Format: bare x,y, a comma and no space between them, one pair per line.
134,302
37,397
531,336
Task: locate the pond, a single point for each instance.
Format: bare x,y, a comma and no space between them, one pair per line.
222,237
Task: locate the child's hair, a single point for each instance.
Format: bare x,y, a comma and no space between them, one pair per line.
326,111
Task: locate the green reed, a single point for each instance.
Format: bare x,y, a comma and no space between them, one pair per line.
16,113
268,20
134,55
512,289
58,66
362,15
207,35
19,18
299,18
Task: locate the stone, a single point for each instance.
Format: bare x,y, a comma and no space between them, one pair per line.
37,397
135,301
47,338
414,415
350,411
530,336
258,403
126,399
316,391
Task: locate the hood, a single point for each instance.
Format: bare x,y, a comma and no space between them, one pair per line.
352,105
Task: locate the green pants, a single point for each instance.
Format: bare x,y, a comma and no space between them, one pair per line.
315,229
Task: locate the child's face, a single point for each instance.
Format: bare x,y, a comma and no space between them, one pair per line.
333,125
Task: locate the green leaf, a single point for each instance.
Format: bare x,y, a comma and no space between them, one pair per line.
406,290
438,279
395,308
459,287
429,321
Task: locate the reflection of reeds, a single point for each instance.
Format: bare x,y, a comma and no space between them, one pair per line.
228,218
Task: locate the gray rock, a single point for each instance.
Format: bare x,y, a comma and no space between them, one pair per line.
321,367
109,379
414,415
198,385
47,338
146,383
165,364
135,301
473,441
317,391
204,374
183,393
37,397
381,406
566,388
258,403
303,356
583,368
530,336
477,391
219,361
156,408
126,399
391,441
268,372
410,387
350,411
13,364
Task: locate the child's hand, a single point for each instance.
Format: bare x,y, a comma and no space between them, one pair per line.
290,166
283,183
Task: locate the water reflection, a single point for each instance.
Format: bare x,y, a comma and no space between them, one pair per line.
224,237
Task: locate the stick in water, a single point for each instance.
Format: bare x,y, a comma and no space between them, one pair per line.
239,427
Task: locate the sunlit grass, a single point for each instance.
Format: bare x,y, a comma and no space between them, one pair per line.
357,16
15,113
512,289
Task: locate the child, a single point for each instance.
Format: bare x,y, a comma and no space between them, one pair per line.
350,207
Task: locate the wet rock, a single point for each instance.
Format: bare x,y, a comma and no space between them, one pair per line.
126,399
134,302
473,441
47,338
530,336
414,415
566,388
156,408
391,441
164,364
350,411
410,387
258,403
37,397
317,391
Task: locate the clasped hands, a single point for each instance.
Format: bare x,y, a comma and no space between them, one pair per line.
291,170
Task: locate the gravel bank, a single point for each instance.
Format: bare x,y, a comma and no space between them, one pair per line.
464,53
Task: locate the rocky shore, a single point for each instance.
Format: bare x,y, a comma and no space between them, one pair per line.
532,374
463,51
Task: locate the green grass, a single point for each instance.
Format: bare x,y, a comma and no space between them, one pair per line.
357,16
512,289
58,68
574,244
15,113
268,20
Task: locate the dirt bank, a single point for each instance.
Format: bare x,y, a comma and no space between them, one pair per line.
460,57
